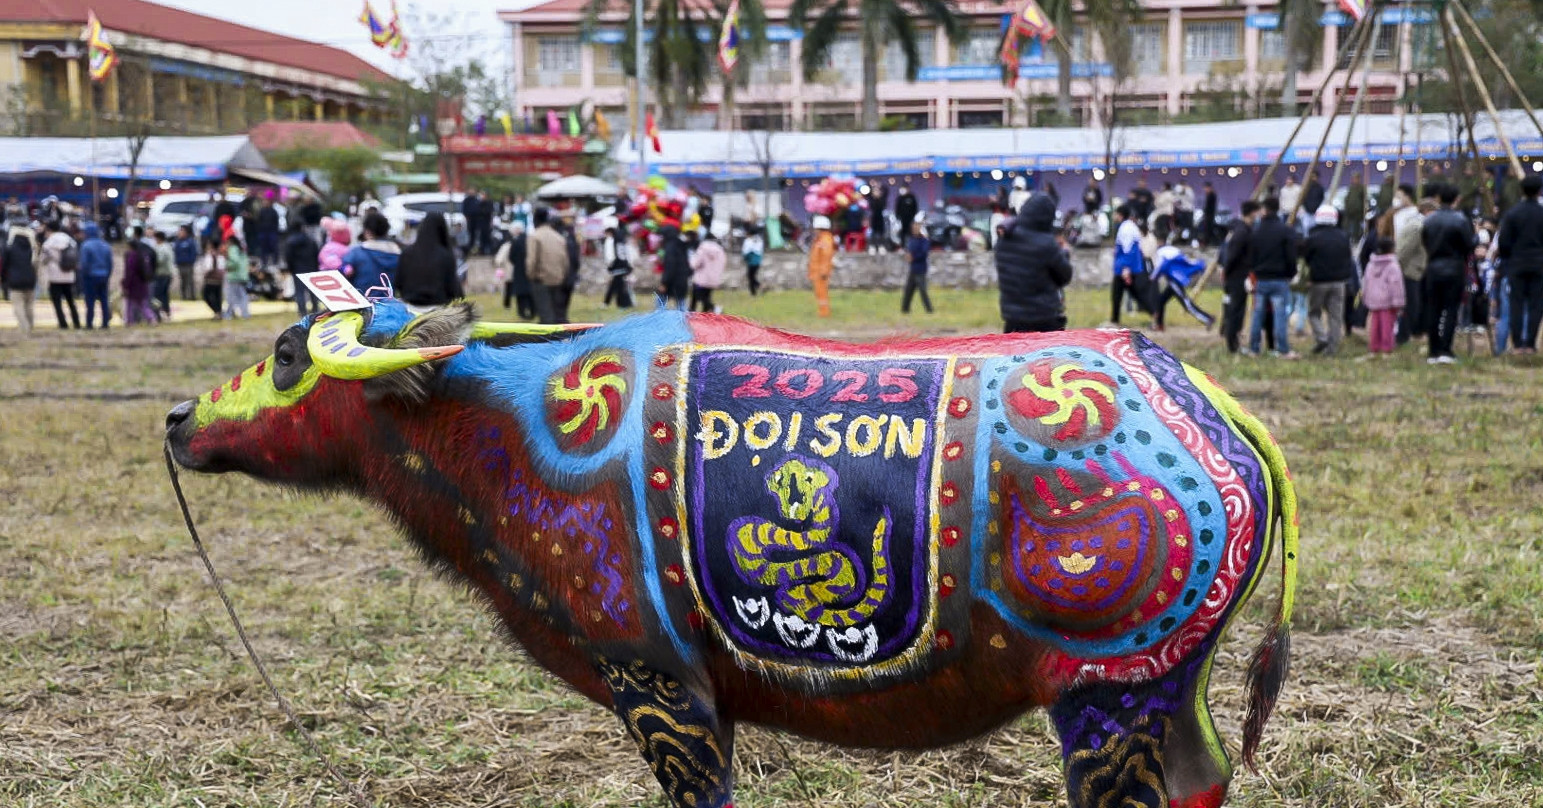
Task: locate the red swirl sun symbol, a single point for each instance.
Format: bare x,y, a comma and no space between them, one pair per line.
587,399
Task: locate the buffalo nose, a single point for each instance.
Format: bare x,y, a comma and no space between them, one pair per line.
178,414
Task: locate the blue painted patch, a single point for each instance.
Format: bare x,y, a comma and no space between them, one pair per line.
1156,452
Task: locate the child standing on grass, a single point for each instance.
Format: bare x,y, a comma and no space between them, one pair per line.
212,266
237,273
1382,289
918,247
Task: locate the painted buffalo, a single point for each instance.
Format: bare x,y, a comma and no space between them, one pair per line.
695,522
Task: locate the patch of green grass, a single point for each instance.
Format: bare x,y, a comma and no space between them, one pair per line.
1417,680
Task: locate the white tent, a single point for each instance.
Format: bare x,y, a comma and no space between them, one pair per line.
577,186
1238,143
189,159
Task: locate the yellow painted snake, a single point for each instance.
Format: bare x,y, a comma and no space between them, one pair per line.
821,577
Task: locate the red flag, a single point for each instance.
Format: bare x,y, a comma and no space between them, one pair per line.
1009,55
652,132
1355,8
1031,21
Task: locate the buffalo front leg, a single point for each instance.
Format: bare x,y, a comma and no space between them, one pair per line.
679,733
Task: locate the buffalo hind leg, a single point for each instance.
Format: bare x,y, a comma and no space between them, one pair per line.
679,733
1146,745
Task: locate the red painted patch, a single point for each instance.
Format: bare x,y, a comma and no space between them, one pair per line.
261,366
663,392
235,384
694,619
214,395
674,574
949,493
944,641
1211,798
959,407
662,432
664,360
964,370
946,586
953,451
669,528
951,536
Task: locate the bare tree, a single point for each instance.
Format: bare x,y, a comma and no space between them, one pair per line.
762,146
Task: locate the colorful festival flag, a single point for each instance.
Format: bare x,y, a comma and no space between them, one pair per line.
651,131
602,126
1009,55
553,128
101,54
384,34
573,123
507,121
1032,21
728,39
1355,8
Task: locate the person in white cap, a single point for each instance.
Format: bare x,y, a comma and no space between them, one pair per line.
1018,196
822,260
1330,267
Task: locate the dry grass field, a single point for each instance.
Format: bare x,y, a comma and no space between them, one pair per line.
1418,675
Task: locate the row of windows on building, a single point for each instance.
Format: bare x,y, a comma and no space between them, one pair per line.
554,60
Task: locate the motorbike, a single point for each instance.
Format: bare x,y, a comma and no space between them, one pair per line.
945,226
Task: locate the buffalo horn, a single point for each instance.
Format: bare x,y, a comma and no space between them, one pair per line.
337,352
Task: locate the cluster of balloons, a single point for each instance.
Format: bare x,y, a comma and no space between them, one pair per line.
833,197
657,203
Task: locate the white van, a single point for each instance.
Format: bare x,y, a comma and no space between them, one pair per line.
171,211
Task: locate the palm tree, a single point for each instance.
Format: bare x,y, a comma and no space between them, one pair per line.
1299,25
879,22
1103,18
681,59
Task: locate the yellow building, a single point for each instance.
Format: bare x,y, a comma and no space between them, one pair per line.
179,72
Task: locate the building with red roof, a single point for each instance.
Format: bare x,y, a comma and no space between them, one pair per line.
179,71
1187,56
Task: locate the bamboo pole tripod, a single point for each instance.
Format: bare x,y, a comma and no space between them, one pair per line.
1463,68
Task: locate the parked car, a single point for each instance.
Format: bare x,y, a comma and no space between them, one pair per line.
406,211
173,210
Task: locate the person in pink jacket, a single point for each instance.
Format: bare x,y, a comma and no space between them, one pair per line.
707,265
1382,290
336,247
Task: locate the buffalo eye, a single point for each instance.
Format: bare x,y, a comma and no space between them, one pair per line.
290,359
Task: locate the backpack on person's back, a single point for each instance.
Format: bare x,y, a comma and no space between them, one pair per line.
20,273
69,257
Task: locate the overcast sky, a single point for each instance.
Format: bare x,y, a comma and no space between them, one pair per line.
336,22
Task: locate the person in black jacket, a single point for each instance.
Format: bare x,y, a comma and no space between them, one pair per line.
426,275
1449,240
1208,215
575,258
1273,260
1236,264
517,288
303,257
1032,269
1330,266
675,280
906,208
1520,250
1313,195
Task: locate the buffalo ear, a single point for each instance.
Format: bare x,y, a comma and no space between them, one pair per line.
435,328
